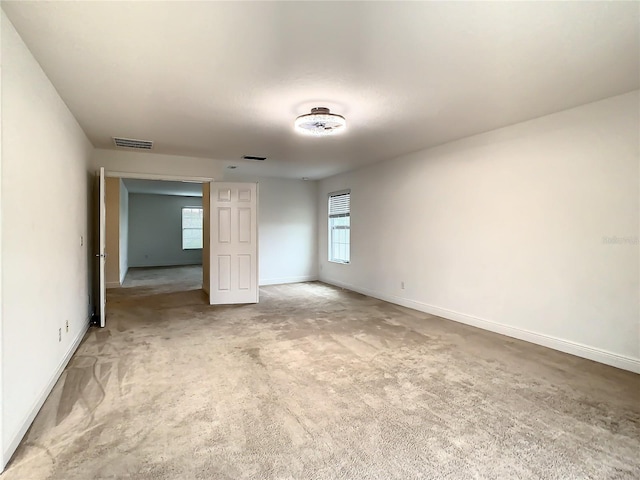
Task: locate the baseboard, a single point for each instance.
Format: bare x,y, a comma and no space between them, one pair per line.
123,276
168,265
37,405
584,351
282,280
112,284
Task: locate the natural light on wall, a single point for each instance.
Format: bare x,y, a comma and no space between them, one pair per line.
340,226
191,228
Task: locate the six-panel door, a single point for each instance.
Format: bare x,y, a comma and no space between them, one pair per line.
233,243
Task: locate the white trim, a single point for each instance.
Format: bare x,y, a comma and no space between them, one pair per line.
124,275
155,176
40,399
579,350
3,459
339,192
282,280
257,225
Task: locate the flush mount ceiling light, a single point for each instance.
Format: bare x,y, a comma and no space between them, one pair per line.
320,122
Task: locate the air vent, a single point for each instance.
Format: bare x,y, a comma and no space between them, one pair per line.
132,143
251,157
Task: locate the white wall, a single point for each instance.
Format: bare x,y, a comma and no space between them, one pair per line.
287,229
507,231
3,458
155,231
44,261
287,214
287,222
129,161
124,231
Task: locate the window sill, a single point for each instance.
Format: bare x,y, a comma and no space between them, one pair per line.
339,262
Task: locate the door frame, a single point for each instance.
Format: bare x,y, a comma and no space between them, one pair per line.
154,176
149,176
102,247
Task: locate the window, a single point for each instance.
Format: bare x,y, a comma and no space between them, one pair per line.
339,226
191,228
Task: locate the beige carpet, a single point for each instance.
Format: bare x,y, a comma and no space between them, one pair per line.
319,383
165,279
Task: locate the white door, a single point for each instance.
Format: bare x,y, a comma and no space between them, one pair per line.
102,247
233,243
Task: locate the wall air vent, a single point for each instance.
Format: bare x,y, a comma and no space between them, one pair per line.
251,157
132,143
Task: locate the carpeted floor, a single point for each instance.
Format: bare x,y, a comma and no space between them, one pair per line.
165,279
319,383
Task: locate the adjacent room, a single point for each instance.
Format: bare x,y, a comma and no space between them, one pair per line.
154,232
323,240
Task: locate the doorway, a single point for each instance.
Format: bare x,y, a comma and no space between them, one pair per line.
197,205
153,222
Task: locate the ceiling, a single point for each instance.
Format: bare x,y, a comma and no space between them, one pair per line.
225,79
163,187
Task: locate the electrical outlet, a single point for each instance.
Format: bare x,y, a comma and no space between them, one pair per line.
59,334
402,285
81,240
67,326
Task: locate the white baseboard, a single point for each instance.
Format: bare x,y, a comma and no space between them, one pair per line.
39,401
281,280
584,351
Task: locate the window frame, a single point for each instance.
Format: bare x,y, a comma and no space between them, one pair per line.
183,228
331,228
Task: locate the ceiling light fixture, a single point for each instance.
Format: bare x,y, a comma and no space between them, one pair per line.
320,122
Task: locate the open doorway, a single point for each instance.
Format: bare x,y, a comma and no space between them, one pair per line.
224,211
156,232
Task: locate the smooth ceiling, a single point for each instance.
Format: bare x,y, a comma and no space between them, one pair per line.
222,80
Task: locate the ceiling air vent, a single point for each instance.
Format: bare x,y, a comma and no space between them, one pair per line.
252,157
132,143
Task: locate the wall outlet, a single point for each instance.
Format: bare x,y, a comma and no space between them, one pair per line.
402,285
67,326
81,240
59,334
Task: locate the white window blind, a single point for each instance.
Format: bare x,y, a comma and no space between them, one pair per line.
340,227
339,204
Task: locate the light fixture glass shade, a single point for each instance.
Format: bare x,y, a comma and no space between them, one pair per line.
320,122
